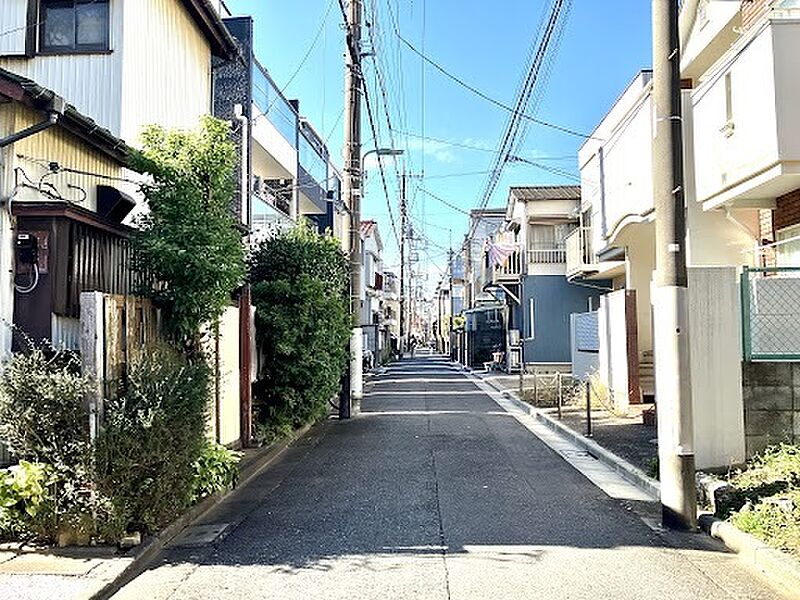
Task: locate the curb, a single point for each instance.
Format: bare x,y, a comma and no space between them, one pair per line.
774,564
779,568
147,551
632,474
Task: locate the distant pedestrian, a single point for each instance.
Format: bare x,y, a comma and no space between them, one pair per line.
413,345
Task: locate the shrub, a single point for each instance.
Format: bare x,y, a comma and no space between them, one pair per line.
187,246
44,423
154,433
42,413
299,284
775,520
216,470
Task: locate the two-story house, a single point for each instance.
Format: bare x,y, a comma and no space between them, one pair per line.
531,273
93,75
739,185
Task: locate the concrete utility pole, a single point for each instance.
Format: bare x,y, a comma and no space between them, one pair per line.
352,194
403,217
671,334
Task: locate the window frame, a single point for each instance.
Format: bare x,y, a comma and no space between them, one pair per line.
103,48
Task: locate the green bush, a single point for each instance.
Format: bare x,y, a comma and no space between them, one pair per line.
774,520
299,285
24,496
766,502
154,433
43,421
42,408
216,470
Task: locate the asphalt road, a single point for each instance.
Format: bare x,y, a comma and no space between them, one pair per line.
435,492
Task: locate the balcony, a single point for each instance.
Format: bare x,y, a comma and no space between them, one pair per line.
746,148
547,253
510,272
579,254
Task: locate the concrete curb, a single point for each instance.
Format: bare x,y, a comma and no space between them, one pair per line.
632,474
147,551
780,568
777,566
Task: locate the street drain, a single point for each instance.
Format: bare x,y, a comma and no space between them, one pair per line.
200,535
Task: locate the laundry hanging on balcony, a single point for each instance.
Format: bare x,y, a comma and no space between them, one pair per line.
501,248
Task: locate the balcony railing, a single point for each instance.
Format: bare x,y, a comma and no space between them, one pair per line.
510,272
546,253
580,254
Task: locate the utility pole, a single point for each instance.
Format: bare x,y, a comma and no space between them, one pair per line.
671,333
403,226
352,194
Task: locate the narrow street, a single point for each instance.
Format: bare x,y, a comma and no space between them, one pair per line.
436,492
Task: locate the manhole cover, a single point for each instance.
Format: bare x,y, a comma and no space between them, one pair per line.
200,535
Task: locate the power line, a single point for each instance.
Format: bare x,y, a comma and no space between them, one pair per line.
498,103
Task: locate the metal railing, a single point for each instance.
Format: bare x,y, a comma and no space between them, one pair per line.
547,252
771,313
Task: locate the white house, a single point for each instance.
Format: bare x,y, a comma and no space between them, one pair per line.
739,154
374,328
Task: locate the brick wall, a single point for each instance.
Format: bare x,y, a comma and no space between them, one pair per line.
787,210
753,10
766,235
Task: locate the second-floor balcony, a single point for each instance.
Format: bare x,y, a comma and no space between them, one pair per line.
547,253
579,254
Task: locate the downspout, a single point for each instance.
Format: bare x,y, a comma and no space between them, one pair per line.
756,241
245,329
52,119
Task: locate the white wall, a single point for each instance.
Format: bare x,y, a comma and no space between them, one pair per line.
613,356
723,159
716,354
166,68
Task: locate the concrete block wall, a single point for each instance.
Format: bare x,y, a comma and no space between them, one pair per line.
771,404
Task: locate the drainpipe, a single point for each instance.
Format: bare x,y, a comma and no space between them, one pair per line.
245,330
756,241
52,119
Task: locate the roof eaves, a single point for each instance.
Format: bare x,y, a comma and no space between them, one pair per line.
35,96
210,22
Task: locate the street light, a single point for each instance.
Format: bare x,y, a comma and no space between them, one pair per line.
356,338
379,152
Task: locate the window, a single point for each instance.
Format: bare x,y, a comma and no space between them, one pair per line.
788,248
73,26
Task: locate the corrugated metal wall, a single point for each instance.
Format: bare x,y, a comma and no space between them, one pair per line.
13,22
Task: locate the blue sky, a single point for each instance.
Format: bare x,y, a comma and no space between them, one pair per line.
486,43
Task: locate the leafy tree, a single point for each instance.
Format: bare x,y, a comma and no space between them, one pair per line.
188,248
299,285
